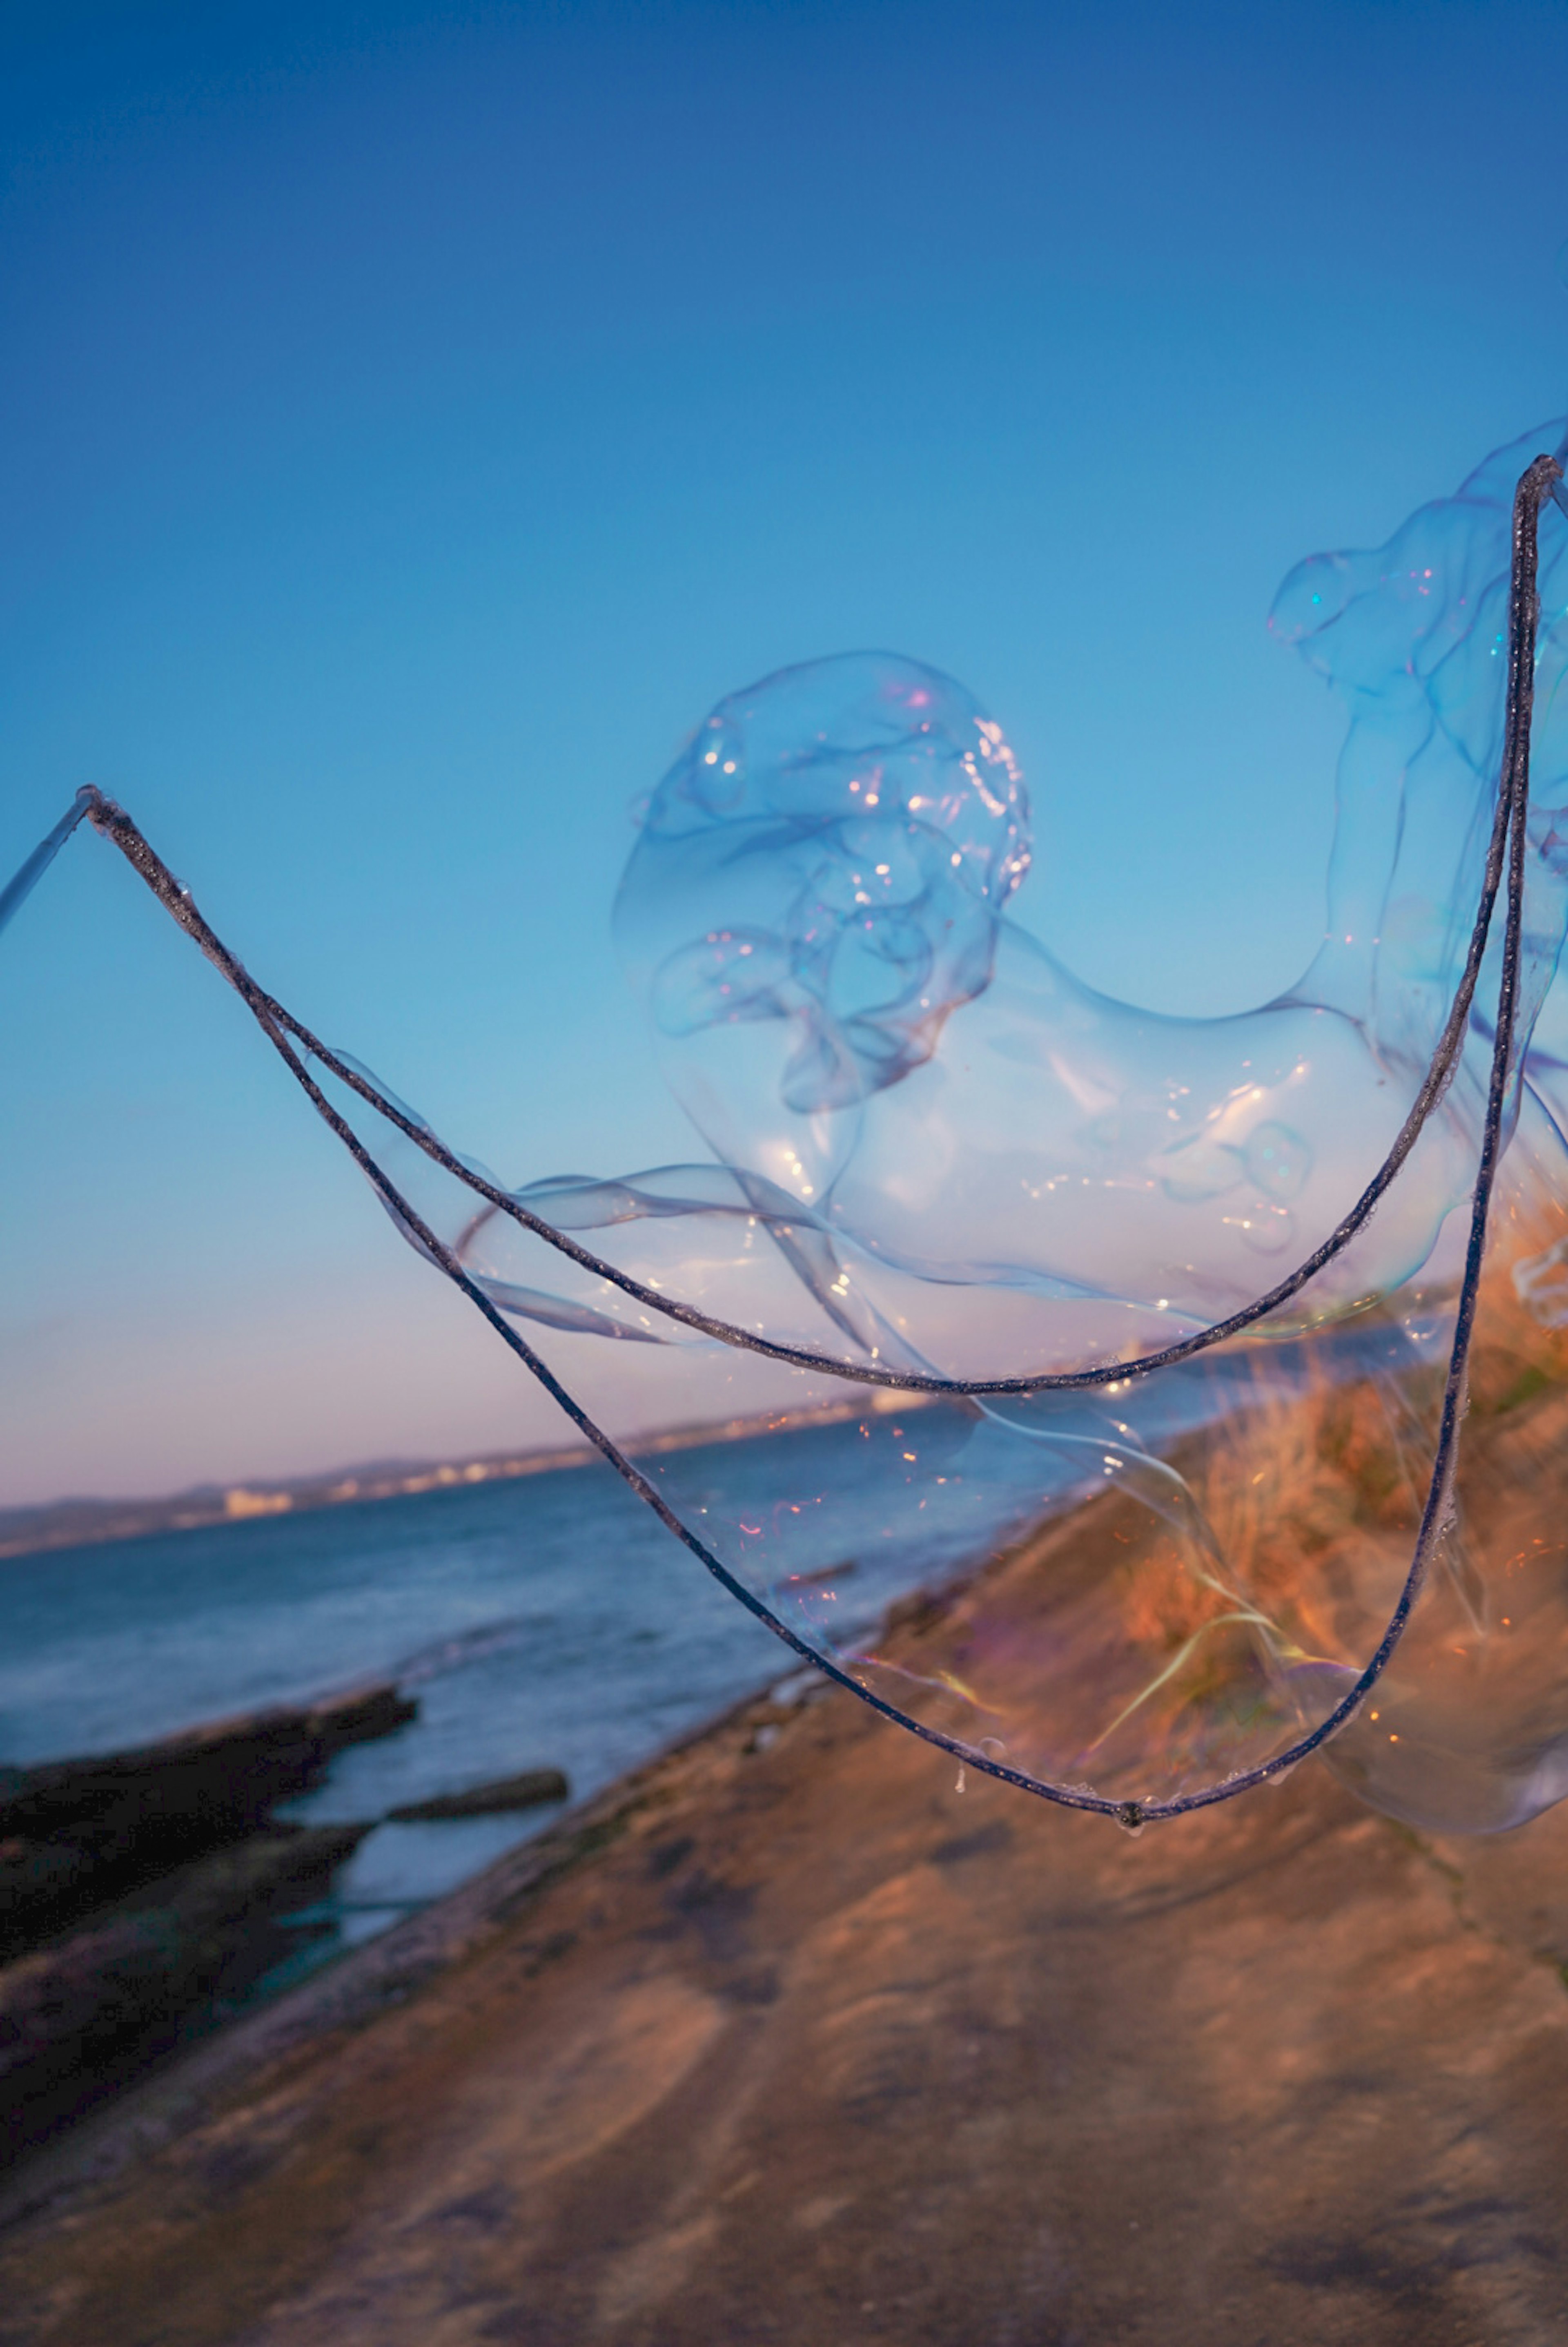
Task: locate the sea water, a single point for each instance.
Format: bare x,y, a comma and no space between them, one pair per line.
549,1621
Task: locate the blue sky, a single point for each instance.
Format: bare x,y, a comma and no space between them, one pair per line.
413,419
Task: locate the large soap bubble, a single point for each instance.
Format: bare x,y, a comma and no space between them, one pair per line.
1141,1342
844,1008
936,1151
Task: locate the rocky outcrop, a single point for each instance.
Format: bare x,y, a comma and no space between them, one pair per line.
528,1792
141,1893
76,1834
78,2015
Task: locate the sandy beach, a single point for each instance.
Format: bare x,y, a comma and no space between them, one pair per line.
789,2039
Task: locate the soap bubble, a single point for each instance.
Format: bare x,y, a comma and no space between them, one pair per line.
936,1153
1050,1304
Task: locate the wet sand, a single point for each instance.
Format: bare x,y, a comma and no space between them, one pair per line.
789,2040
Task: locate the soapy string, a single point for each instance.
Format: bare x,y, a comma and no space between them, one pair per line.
1508,835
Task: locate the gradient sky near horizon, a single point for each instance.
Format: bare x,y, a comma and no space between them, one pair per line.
413,418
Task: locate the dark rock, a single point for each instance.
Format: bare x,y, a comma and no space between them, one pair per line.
78,2017
76,1833
37,1879
359,1715
527,1791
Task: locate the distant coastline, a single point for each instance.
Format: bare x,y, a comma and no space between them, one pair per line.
87,1522
84,1523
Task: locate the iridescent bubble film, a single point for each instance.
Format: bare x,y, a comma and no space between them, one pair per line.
927,1152
930,1147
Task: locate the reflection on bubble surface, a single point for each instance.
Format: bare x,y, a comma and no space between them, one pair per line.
938,1160
935,1151
938,1151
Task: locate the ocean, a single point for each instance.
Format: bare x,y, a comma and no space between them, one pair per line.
549,1621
